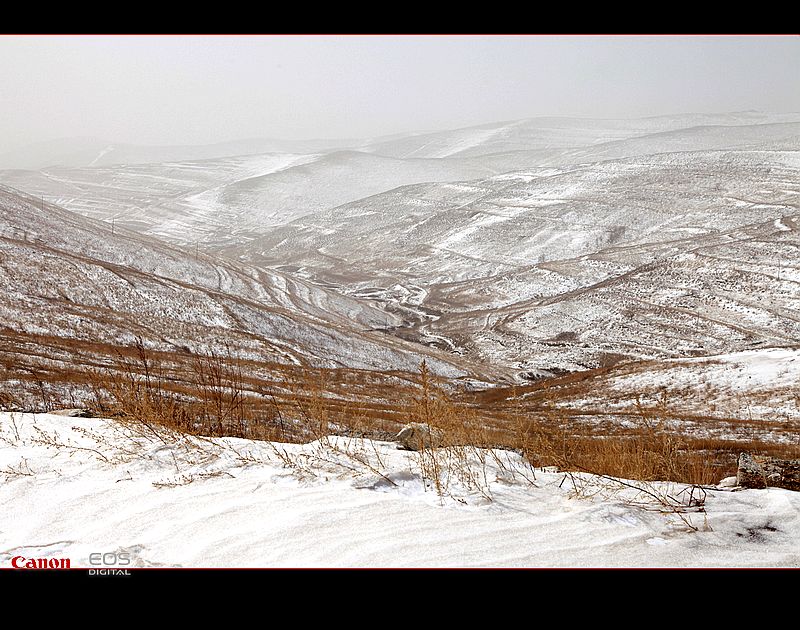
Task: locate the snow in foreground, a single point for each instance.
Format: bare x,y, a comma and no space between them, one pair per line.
71,487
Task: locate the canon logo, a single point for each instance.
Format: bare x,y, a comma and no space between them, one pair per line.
20,562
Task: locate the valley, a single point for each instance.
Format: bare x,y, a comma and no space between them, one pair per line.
629,255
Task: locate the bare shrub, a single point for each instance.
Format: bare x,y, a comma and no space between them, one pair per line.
210,400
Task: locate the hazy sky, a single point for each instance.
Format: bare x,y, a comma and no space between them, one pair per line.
194,90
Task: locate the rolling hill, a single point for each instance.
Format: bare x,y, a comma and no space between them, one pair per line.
74,292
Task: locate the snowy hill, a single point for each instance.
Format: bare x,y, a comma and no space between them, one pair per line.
257,204
226,201
227,502
555,269
466,230
517,249
757,386
228,194
72,279
705,295
154,198
558,133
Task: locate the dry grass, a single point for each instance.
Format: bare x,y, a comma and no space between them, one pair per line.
219,394
207,395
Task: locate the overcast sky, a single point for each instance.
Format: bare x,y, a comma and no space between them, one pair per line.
195,90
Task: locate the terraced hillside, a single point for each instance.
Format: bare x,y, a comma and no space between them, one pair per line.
73,289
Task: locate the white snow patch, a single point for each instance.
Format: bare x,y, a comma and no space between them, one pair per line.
71,487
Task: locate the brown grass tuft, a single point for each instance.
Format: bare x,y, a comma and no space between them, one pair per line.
220,394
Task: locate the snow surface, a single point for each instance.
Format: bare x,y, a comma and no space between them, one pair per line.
754,384
70,487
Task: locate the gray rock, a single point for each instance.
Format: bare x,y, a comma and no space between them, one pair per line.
72,413
749,473
781,473
417,435
761,471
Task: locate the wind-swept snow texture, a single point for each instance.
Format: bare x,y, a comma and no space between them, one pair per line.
72,487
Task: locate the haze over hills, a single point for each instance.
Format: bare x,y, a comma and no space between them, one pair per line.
496,137
228,194
551,133
154,197
228,201
88,152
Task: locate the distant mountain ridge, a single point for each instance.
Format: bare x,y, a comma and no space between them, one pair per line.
87,151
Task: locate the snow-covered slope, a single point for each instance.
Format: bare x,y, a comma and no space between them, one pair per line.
701,138
74,487
68,277
560,133
706,295
228,201
254,205
456,231
172,199
754,385
569,268
229,194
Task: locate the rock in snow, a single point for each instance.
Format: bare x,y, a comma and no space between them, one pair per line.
762,471
749,473
781,473
73,413
418,435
